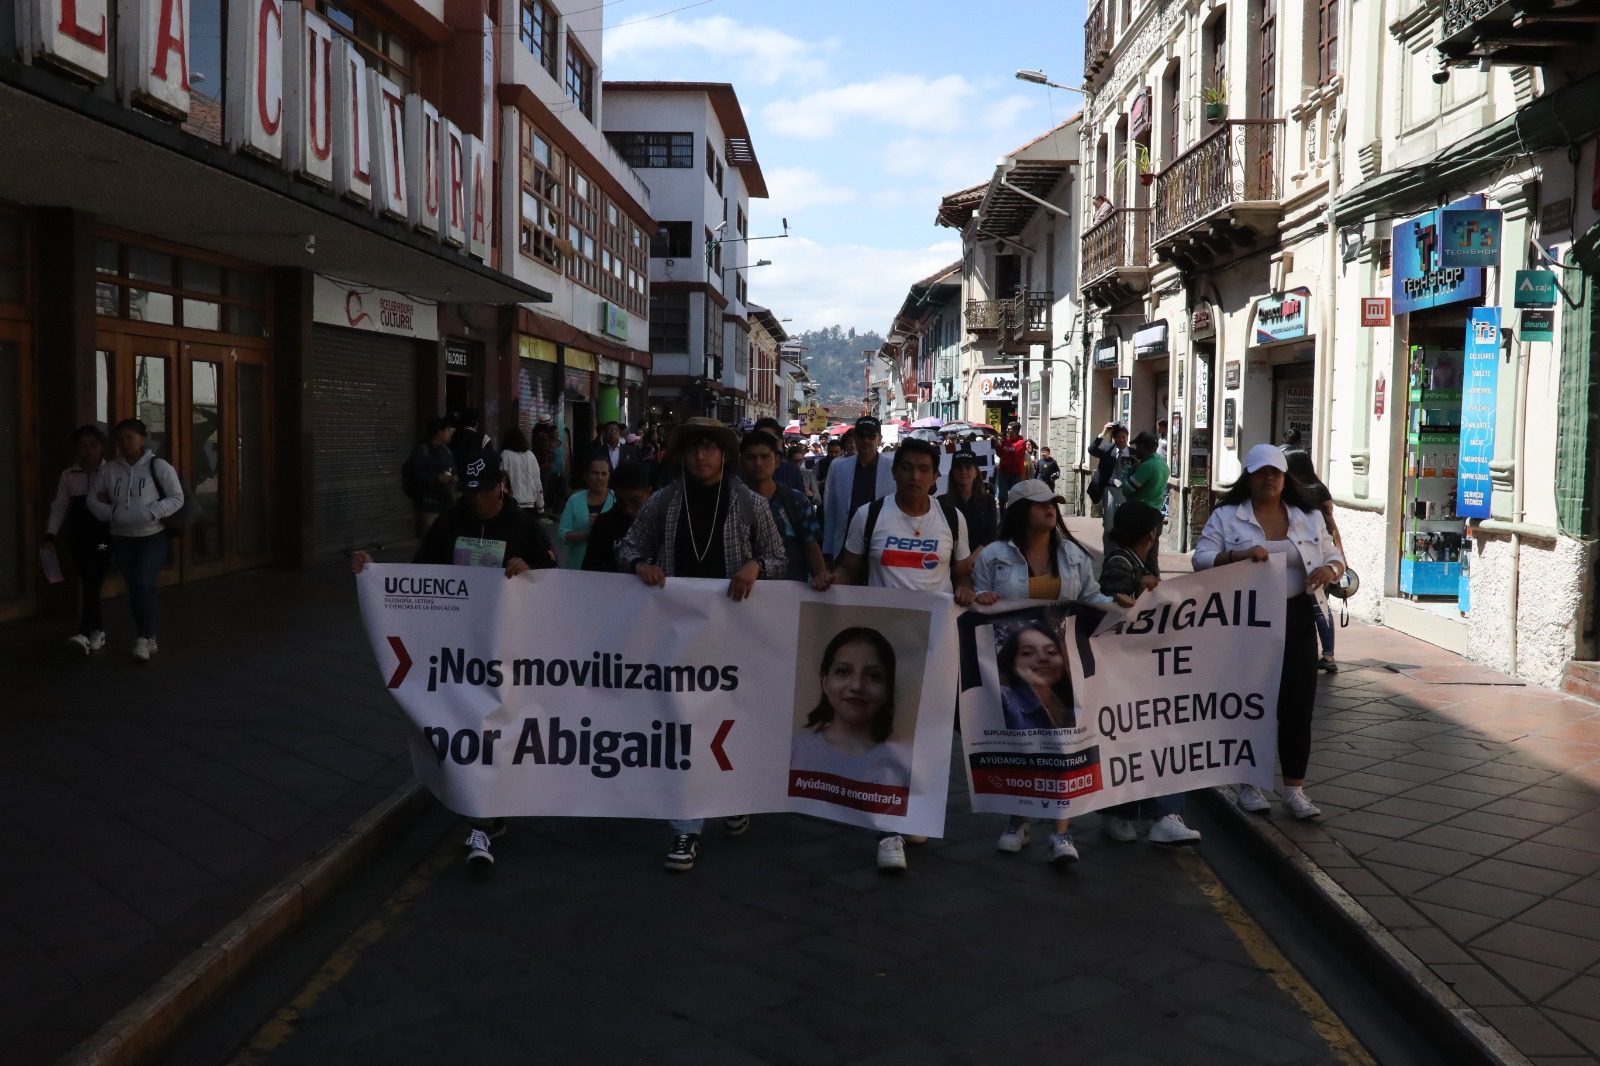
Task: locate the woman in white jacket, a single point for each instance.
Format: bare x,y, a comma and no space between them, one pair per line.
1035,558
88,539
134,493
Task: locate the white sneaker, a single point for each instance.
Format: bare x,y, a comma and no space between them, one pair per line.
142,649
1118,829
1171,830
1062,849
892,853
79,641
1250,798
479,857
1014,839
97,640
1300,804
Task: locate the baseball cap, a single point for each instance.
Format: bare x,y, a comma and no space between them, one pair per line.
481,473
1034,491
871,425
1263,455
966,455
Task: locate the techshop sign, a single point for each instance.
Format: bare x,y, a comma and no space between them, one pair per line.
373,310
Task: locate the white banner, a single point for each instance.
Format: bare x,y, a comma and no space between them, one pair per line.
1063,713
566,693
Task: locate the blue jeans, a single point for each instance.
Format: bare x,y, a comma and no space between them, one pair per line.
1155,808
139,560
1324,620
692,826
1002,485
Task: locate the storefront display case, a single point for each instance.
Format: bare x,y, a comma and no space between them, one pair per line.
1432,543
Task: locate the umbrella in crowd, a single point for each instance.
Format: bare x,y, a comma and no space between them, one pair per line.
931,422
838,429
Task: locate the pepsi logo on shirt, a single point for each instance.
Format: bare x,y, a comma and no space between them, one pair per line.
911,553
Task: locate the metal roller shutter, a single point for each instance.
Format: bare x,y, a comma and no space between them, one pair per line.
364,419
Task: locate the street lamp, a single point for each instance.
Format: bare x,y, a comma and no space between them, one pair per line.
1037,77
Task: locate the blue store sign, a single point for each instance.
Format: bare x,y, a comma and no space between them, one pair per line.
1420,279
1480,375
1471,238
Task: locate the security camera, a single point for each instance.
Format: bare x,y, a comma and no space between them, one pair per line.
1442,73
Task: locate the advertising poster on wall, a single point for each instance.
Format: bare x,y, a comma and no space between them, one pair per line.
1479,380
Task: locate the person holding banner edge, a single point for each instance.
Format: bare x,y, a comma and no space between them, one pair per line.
1035,558
706,524
908,541
486,527
1265,513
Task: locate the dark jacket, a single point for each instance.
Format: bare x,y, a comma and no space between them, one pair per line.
1111,457
604,535
626,453
427,462
1048,471
1122,573
983,517
517,530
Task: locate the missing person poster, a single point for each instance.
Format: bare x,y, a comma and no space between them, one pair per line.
1067,709
579,694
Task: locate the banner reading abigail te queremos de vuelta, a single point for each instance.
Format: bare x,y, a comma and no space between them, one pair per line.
580,694
1177,693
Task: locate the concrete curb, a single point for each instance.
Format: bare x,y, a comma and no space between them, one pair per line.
139,1030
1460,1030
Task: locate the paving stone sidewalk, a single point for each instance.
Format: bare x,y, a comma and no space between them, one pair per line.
144,808
1461,808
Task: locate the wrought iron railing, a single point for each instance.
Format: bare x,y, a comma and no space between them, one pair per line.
1121,239
1236,164
1029,312
1096,42
1459,14
985,316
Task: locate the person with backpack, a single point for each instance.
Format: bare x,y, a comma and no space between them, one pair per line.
429,476
134,492
908,541
1036,558
793,513
88,538
704,524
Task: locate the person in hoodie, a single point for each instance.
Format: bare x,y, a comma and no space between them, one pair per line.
135,491
88,538
485,528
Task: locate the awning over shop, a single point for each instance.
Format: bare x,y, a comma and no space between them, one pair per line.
135,172
1566,116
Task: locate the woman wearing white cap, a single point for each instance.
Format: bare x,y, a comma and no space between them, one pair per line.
1035,558
1262,515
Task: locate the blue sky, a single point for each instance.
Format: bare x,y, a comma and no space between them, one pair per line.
863,115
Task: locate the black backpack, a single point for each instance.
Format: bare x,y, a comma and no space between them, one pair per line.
951,517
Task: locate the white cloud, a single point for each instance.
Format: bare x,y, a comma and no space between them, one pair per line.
755,54
845,284
908,101
793,189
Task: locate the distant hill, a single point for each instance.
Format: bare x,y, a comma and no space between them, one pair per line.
833,358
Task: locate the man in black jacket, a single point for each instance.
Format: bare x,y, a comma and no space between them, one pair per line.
484,529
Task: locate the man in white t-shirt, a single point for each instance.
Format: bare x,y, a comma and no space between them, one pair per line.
914,542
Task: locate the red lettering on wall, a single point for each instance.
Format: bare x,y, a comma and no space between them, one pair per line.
430,163
172,35
396,106
361,154
458,207
70,26
320,73
269,120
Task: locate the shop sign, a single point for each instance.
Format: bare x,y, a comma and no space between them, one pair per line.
1480,374
372,310
613,320
1471,237
1375,311
1283,316
1105,354
1121,384
1230,374
1380,395
996,386
297,95
1538,324
1535,288
455,355
1150,340
1555,217
1202,394
1420,280
1139,114
1203,323
1230,421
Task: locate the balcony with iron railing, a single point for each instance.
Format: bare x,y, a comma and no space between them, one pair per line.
1223,193
1116,256
1514,32
1096,43
985,316
1027,320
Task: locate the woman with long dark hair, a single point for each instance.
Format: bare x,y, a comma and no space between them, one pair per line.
1266,513
1035,558
1304,475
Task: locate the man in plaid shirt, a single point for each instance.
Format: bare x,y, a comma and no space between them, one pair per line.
707,524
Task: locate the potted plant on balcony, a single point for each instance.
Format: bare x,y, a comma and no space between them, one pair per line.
1215,99
1141,165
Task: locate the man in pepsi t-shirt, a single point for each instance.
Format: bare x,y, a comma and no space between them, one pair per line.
913,546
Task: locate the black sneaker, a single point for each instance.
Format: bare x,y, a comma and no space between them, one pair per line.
496,829
681,856
1327,663
479,857
736,826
